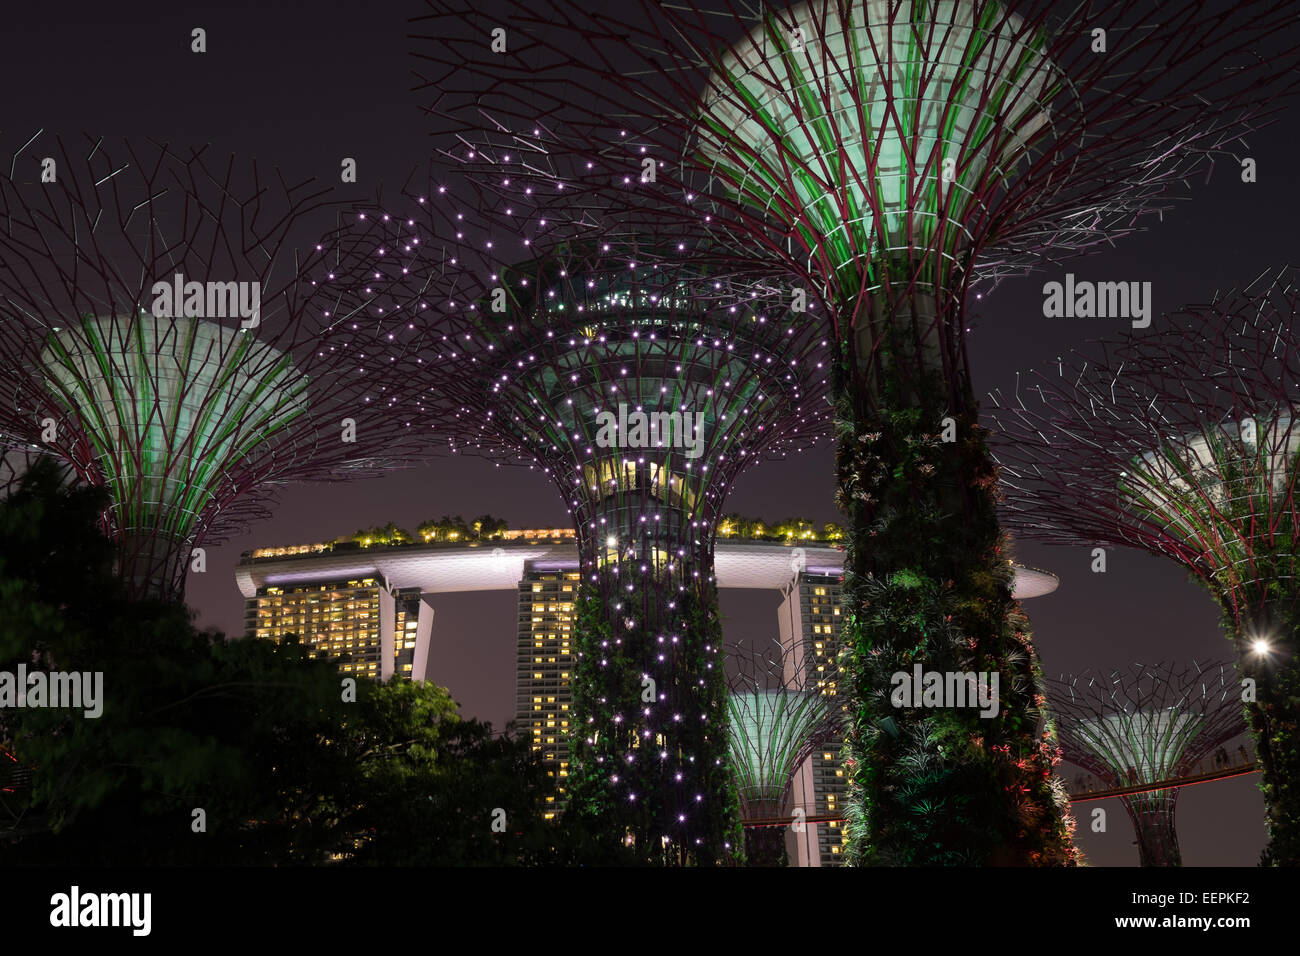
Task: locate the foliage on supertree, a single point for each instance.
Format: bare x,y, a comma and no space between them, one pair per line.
776,722
882,157
947,786
649,758
161,335
1182,441
642,385
1144,725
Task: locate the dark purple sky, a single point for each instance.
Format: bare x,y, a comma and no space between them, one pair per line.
303,84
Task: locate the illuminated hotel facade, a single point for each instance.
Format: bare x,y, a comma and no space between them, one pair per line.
543,666
371,603
369,628
809,621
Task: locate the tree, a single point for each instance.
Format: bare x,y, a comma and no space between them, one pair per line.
801,528
444,529
209,751
486,526
386,534
440,791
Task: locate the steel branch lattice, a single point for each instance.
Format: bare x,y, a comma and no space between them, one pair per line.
528,362
642,382
777,721
189,412
1137,727
873,151
1182,441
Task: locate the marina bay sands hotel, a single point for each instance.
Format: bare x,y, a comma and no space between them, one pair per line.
369,606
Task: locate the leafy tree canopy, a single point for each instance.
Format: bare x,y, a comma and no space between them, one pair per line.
214,751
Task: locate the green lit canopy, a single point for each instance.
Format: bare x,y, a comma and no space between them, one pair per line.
171,408
858,117
772,731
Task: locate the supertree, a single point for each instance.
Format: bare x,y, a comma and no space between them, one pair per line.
642,385
161,335
1182,442
776,722
885,156
1147,725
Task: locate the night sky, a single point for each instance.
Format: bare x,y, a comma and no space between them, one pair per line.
301,85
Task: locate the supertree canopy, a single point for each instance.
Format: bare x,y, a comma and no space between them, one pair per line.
161,336
881,157
1182,442
1148,725
776,722
643,385
168,391
971,84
